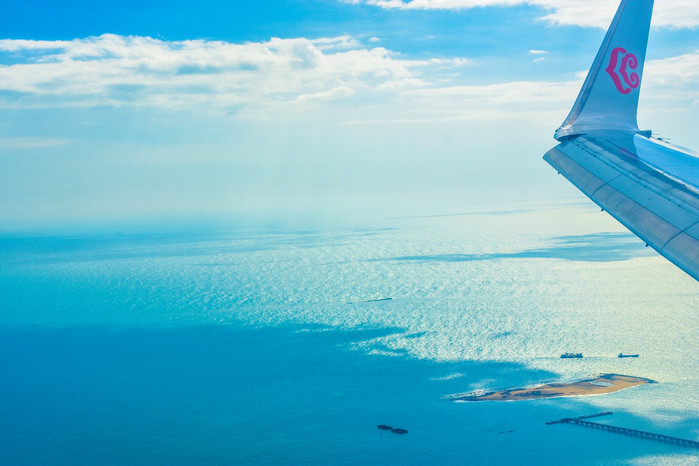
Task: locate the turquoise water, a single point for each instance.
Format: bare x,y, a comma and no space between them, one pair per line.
278,344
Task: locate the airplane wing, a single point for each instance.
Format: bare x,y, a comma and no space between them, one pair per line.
648,185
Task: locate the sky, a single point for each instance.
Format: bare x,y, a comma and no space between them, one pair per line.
120,111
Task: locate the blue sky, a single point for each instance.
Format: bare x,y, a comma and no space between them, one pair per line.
118,111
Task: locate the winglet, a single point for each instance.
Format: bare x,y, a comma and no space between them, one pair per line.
608,99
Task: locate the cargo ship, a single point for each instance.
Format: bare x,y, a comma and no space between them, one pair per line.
571,356
622,355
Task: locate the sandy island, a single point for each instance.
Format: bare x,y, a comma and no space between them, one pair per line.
606,383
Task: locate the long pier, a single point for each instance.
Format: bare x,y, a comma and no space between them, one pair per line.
566,420
625,431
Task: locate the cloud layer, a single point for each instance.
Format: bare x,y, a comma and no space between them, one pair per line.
112,70
596,13
118,70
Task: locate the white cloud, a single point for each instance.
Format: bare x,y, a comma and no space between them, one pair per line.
21,44
539,54
338,92
117,70
596,13
529,92
674,71
449,61
260,79
672,84
502,101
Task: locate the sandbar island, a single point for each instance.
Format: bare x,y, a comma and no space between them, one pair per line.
606,383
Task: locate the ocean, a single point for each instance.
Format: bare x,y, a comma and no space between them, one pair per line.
288,342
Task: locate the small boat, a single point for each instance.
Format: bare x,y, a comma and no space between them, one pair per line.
622,355
384,427
571,356
399,431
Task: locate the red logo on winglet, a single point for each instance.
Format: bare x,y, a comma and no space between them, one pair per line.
618,69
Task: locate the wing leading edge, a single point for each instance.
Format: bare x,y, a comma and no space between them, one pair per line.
646,184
